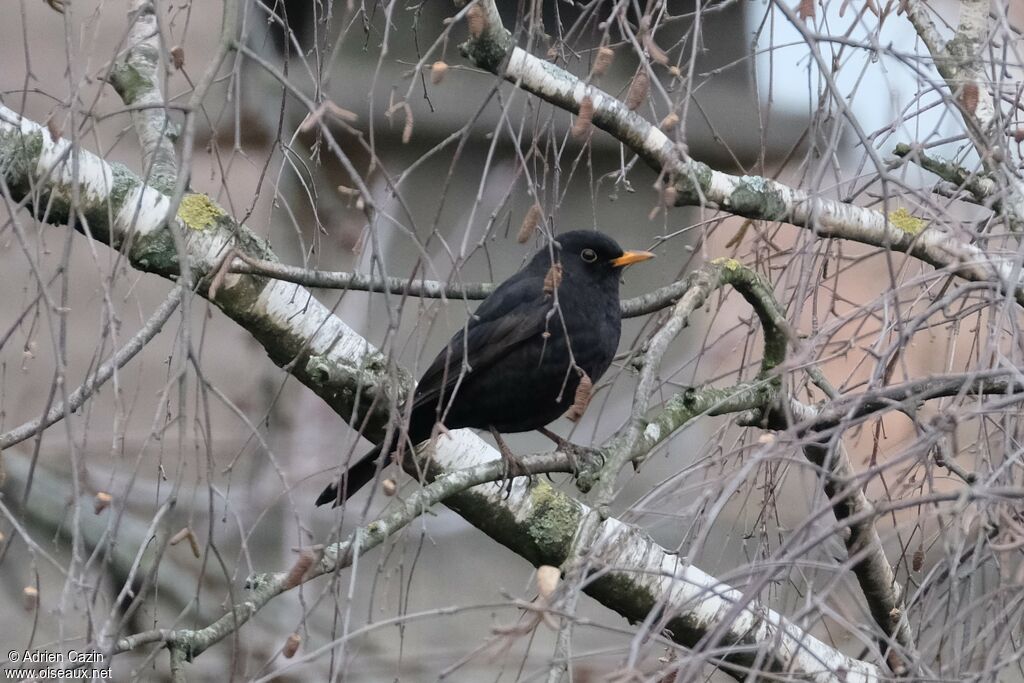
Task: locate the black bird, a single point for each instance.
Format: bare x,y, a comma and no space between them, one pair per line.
517,363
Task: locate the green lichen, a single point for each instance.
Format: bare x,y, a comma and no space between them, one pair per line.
318,369
198,212
21,154
553,520
907,222
128,82
496,521
728,263
630,598
252,244
756,197
488,50
155,253
692,184
123,182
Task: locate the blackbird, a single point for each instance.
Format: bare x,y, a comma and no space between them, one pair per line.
517,363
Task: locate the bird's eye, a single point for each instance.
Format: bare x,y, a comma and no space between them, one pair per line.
588,255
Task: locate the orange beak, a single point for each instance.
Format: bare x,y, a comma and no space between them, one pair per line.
631,257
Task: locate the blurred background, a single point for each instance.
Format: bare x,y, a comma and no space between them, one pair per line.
454,165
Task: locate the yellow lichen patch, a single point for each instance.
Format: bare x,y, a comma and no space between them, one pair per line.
730,263
907,222
542,493
198,211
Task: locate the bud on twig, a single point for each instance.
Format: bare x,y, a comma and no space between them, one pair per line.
291,646
437,71
547,581
30,597
101,502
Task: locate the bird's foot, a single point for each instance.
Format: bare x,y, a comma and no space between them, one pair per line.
586,461
513,465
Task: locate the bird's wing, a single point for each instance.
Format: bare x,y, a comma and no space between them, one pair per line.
516,311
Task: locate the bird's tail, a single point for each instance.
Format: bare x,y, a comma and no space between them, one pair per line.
354,478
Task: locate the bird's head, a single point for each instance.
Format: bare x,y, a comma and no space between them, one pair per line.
591,255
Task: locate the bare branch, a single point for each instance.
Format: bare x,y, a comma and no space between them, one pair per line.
246,265
104,372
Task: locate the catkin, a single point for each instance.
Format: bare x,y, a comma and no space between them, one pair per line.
582,398
657,54
553,278
476,20
53,129
179,537
605,56
299,570
969,97
407,129
530,222
638,90
669,196
584,119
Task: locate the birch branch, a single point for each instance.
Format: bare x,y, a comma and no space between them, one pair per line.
136,77
961,64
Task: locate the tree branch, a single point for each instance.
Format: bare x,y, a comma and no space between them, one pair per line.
79,396
136,77
980,186
433,289
960,63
